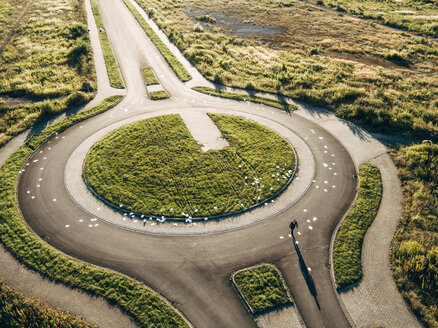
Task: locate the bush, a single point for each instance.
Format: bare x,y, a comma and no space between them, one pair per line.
47,109
75,31
77,98
80,50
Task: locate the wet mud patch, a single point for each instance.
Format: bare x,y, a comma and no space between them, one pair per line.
209,20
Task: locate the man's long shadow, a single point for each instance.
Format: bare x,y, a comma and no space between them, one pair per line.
305,272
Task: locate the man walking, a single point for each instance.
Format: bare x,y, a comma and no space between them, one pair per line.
293,225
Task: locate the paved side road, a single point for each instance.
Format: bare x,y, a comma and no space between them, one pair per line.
376,300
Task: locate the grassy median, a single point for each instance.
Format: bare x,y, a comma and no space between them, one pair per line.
159,95
242,97
155,167
145,307
348,243
261,287
112,68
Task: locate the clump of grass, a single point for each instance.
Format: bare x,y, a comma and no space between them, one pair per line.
242,97
145,307
206,19
149,76
17,310
159,95
112,68
261,287
174,63
414,251
348,243
174,176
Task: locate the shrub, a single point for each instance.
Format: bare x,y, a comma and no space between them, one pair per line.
77,98
80,50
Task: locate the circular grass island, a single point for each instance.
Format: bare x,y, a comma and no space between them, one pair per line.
155,167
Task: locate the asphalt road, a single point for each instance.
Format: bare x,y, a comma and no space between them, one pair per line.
194,271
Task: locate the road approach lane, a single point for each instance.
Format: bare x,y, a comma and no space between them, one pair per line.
194,271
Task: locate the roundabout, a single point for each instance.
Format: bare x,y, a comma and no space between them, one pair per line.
155,168
190,265
97,207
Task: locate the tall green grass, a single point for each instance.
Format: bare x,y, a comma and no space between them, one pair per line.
145,307
348,243
112,68
17,310
414,251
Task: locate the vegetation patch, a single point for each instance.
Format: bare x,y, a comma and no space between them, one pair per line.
155,167
242,97
159,95
112,68
16,119
149,76
145,307
174,63
414,252
17,310
48,58
49,54
414,16
348,243
262,288
378,77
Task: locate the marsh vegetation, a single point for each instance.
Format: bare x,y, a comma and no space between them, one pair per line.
377,76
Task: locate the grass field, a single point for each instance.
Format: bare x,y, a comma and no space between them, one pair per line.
414,253
377,76
112,68
10,10
145,307
48,58
347,248
261,287
155,167
17,310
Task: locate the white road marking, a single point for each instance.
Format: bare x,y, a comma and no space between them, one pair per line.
54,199
309,269
310,227
321,138
67,225
299,233
94,219
281,237
305,210
80,220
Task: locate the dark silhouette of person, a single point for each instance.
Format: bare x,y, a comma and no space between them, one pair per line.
293,225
